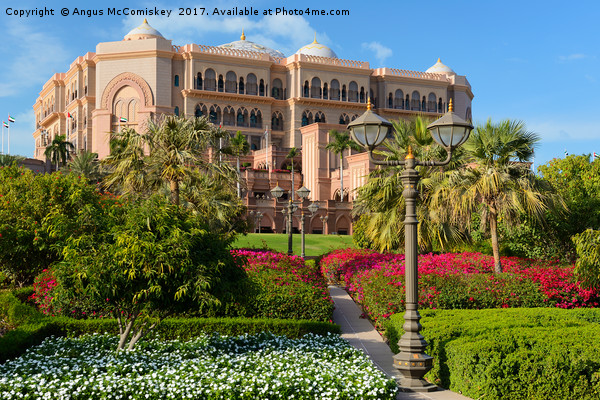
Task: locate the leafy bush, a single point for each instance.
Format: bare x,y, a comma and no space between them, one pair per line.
513,353
587,245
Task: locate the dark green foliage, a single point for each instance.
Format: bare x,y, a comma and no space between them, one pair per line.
359,233
512,353
587,245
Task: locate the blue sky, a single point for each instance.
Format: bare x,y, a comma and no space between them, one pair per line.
528,60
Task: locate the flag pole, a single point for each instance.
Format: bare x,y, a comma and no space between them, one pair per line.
2,137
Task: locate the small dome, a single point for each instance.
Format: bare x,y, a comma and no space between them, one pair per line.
317,49
144,31
439,68
247,45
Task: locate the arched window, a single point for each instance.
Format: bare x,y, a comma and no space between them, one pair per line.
277,121
423,104
390,101
431,103
335,90
325,91
210,80
251,85
306,89
344,97
200,110
242,117
353,92
307,118
440,106
231,82
199,81
415,101
315,88
229,116
399,99
176,112
255,118
214,116
261,88
276,91
241,85
320,117
220,84
344,119
176,82
362,94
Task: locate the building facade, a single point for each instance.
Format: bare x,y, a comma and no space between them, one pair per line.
278,102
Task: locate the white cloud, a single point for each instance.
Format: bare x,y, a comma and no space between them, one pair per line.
573,57
381,52
563,129
26,50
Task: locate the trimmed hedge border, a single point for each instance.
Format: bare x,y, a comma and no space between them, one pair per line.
528,353
33,327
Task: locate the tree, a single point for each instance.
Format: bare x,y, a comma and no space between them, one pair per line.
6,160
290,156
58,150
156,260
86,164
338,143
238,146
497,181
381,197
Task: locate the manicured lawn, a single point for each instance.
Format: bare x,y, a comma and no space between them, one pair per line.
315,244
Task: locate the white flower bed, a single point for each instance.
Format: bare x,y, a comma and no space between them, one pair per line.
247,367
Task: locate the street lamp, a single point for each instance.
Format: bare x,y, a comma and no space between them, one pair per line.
313,207
257,218
324,219
292,206
449,131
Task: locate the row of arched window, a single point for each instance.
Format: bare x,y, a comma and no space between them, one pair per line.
230,83
333,91
228,116
319,117
415,102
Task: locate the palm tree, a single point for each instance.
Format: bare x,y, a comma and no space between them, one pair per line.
6,160
339,142
381,197
290,155
497,181
238,146
58,150
86,164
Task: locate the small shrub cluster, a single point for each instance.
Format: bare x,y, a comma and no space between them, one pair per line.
537,354
457,281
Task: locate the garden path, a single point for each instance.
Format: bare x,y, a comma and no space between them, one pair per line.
362,335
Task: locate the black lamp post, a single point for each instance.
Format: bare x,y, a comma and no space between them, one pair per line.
313,207
450,131
292,206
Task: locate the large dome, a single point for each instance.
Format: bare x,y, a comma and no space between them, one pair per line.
144,31
317,49
439,68
247,45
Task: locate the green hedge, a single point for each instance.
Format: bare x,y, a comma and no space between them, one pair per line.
33,327
529,353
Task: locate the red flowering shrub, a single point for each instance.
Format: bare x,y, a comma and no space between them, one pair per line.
42,295
457,281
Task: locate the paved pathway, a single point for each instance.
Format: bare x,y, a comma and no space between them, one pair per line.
361,334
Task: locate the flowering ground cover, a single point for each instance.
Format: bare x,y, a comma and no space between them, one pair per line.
211,367
456,281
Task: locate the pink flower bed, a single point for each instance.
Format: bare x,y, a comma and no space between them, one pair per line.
463,280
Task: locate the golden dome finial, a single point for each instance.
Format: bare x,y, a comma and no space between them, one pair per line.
145,21
369,106
409,154
439,60
243,37
450,106
315,41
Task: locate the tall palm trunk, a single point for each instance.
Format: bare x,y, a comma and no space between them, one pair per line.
239,189
292,182
342,176
495,246
174,192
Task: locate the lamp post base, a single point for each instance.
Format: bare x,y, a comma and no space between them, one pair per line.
413,366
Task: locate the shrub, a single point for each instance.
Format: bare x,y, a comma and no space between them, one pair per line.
587,245
512,353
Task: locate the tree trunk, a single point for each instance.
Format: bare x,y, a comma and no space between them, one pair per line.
495,246
239,189
342,176
174,192
292,194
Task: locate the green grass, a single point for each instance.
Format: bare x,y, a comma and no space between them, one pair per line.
315,244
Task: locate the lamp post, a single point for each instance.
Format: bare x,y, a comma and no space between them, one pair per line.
292,206
449,131
324,219
257,218
313,207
